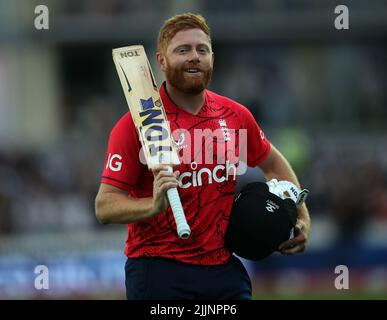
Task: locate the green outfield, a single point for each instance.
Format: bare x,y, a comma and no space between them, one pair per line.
323,296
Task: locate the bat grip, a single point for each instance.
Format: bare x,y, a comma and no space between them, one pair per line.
183,229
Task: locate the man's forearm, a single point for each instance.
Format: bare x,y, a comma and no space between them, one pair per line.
303,214
122,209
280,169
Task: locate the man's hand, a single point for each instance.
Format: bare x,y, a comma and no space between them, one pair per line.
301,234
163,180
277,167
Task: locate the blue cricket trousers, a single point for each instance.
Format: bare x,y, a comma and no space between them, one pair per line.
163,279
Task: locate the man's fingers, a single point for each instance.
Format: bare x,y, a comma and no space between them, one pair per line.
160,181
166,186
292,242
163,180
298,228
162,173
163,167
293,250
159,167
298,243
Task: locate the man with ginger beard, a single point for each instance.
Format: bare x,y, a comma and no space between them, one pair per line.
159,264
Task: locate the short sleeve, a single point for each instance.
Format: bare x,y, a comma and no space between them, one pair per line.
122,166
258,146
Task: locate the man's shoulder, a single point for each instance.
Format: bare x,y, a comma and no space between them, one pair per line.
124,123
125,118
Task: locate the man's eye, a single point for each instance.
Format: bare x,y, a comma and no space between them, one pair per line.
203,50
182,50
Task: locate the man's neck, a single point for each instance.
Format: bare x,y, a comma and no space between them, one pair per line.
188,102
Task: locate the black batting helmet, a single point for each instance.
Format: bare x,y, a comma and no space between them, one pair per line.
260,221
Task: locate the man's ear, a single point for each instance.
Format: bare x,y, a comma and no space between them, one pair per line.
161,61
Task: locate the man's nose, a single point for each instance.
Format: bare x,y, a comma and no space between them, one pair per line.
194,56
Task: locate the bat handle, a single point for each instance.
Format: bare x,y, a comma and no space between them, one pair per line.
183,229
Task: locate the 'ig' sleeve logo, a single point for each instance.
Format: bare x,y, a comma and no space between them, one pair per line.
112,162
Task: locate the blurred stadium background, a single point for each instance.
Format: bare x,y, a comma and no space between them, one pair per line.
319,94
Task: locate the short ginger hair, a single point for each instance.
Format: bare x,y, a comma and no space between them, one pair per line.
177,23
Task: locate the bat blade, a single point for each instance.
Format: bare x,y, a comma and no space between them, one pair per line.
149,117
145,105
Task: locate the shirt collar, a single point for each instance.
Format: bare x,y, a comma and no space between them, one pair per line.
170,105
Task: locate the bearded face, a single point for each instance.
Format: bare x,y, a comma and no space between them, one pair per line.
187,61
191,77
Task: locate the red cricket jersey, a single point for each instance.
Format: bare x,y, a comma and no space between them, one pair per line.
206,189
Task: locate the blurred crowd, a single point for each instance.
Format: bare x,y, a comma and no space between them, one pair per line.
113,7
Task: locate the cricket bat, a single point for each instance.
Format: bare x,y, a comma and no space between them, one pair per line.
149,117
